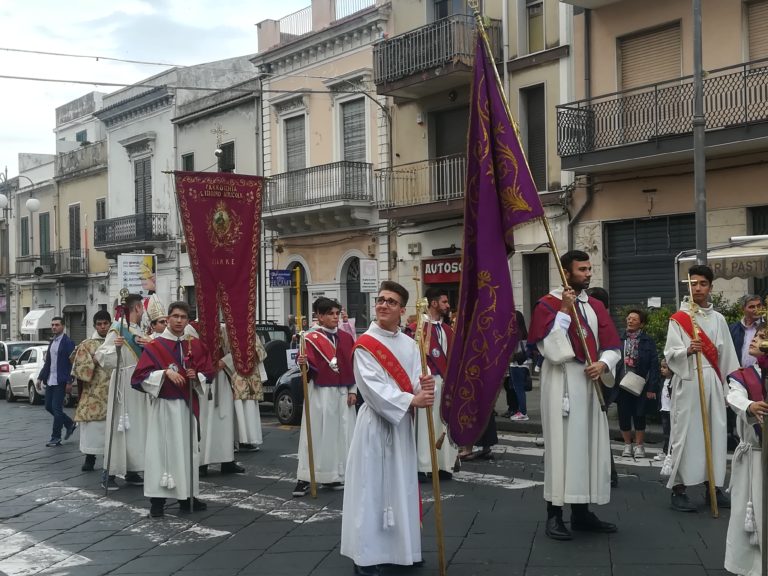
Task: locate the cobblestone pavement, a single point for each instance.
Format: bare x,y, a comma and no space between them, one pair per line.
55,520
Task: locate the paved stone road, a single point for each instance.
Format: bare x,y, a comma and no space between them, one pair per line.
54,519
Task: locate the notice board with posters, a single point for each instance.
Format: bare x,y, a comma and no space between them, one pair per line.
137,273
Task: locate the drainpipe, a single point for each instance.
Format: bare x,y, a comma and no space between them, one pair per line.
589,187
505,46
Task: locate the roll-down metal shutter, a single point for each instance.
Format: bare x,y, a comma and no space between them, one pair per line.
650,57
641,255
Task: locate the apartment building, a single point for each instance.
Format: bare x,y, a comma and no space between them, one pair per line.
627,134
425,65
325,131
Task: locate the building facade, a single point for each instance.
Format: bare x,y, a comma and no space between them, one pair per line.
627,134
325,132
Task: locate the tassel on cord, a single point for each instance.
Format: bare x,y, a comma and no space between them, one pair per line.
164,480
390,516
666,469
384,522
754,539
171,482
126,422
749,518
566,405
120,424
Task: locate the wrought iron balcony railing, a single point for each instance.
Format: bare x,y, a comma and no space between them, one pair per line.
434,180
137,228
446,41
334,182
69,262
733,96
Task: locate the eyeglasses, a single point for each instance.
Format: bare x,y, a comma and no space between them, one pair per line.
391,302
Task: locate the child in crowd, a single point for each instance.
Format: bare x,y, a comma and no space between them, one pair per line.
666,394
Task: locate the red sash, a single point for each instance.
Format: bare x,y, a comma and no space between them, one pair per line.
438,358
752,382
322,344
164,357
387,360
709,350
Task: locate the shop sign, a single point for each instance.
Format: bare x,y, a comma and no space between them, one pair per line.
442,270
280,278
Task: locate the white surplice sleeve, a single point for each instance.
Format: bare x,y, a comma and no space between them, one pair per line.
740,402
106,354
556,346
381,394
676,351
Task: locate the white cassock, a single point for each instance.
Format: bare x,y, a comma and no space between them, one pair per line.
446,456
167,474
129,426
248,417
380,520
685,461
577,459
333,424
742,548
217,432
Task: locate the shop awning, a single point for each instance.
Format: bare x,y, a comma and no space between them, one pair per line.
37,320
742,257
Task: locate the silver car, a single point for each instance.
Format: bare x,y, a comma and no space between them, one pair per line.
23,380
11,350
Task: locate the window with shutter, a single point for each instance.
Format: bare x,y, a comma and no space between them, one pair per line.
142,172
45,233
650,57
534,13
74,228
101,209
188,162
757,29
24,231
536,133
353,130
295,144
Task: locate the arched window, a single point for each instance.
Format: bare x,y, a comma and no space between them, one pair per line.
357,302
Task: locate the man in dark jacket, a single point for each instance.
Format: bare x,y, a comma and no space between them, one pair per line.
56,375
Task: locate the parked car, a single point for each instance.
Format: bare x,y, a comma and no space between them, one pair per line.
288,397
11,350
22,382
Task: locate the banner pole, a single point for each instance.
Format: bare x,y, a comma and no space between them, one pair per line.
474,4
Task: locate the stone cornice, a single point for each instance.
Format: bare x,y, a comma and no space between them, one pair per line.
344,36
136,107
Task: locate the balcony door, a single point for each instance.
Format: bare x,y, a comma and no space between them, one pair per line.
449,137
356,301
142,179
75,246
293,191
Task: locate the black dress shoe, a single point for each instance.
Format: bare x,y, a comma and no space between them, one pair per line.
444,475
367,570
203,470
588,522
424,478
556,530
90,462
723,500
232,468
157,508
184,505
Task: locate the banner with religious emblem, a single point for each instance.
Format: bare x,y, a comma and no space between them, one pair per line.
500,195
221,216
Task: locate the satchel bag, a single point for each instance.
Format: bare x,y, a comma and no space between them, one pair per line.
632,383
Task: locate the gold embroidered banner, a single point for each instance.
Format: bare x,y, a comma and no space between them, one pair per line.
221,215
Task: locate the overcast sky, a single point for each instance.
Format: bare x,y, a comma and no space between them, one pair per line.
181,32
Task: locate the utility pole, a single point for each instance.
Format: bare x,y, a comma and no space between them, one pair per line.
699,154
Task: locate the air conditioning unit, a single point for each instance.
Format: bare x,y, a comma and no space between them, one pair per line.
414,248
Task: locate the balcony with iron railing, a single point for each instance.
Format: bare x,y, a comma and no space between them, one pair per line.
325,197
147,231
421,190
643,125
431,58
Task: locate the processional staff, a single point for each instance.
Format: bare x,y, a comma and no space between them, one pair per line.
305,386
422,338
123,313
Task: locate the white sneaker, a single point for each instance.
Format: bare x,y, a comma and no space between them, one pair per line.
519,417
627,453
660,457
639,451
